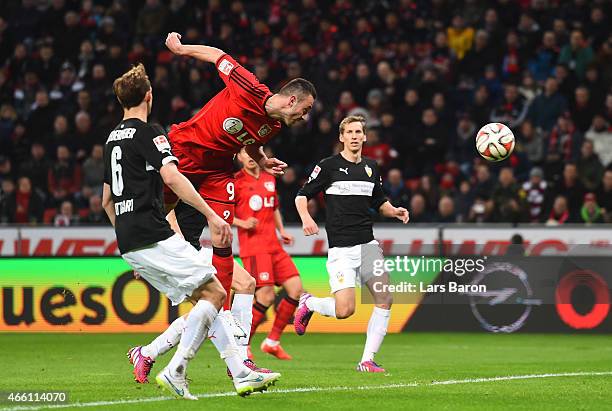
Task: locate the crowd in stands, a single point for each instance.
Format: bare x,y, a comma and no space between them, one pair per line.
426,74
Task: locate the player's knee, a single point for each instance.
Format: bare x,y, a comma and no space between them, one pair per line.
384,301
214,293
243,284
265,296
344,311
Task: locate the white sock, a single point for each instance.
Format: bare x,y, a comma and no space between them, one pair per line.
272,343
197,324
222,336
377,329
166,340
324,306
242,310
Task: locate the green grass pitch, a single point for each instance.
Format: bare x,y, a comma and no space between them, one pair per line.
94,369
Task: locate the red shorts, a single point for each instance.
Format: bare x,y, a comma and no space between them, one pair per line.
212,176
270,269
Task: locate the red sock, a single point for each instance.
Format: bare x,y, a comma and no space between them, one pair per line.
224,263
284,312
259,314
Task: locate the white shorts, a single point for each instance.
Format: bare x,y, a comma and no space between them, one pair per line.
173,267
346,265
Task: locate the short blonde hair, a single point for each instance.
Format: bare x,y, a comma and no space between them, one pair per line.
352,119
132,86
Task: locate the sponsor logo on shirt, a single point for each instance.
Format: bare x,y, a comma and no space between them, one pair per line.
161,142
225,67
269,185
232,125
368,170
314,173
264,130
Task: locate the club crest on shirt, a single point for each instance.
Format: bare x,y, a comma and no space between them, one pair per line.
255,202
232,125
269,185
340,277
368,170
264,130
161,142
225,67
265,276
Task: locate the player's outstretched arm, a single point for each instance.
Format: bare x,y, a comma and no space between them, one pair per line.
108,204
185,191
197,51
309,225
388,210
272,165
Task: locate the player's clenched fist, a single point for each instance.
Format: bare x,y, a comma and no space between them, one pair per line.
310,228
173,42
402,214
221,227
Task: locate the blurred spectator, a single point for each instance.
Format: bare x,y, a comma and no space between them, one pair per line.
429,190
560,213
24,206
548,106
483,186
383,153
590,169
36,168
506,201
66,216
432,140
41,117
395,189
463,144
7,190
446,211
64,176
459,37
543,62
480,109
534,193
418,210
481,211
563,144
463,201
95,214
151,20
93,169
577,54
604,195
570,188
513,108
582,109
6,169
481,55
600,134
531,141
591,212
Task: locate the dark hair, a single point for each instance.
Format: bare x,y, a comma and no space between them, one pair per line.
300,87
132,86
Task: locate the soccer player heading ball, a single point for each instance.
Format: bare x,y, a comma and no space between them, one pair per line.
138,160
352,186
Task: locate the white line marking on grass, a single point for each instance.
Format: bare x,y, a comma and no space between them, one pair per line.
317,389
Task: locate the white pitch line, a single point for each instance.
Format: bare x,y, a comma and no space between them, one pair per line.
318,389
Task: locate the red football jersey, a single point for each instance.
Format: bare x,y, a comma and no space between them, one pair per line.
234,118
256,197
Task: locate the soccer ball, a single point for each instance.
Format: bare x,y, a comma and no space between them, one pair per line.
495,142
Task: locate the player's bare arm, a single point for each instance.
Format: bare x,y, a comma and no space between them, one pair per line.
272,165
309,225
248,224
388,210
108,204
185,191
197,51
278,222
